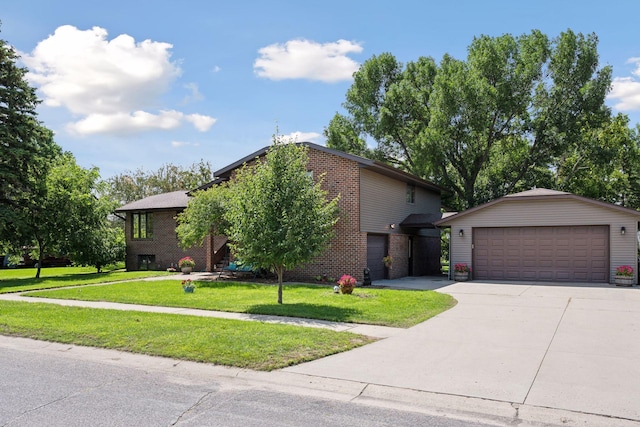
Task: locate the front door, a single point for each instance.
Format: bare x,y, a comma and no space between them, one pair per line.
376,250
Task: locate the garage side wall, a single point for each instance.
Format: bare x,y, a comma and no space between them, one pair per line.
519,213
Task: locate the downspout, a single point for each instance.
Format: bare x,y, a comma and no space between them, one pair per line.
450,265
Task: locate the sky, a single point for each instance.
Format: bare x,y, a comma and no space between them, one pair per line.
139,84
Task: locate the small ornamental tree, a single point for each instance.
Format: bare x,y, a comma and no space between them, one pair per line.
277,217
204,215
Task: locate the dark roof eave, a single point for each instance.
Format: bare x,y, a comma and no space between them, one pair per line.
514,198
363,162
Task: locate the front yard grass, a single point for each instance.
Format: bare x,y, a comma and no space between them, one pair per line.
244,344
23,279
370,306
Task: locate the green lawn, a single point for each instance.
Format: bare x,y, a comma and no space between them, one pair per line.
22,279
371,306
244,344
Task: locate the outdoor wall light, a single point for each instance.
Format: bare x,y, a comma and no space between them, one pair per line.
623,230
461,232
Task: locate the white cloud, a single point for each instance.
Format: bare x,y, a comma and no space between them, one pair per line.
194,95
627,90
179,144
301,136
202,123
127,123
305,59
107,82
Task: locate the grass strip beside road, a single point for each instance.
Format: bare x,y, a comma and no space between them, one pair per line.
23,279
252,345
385,307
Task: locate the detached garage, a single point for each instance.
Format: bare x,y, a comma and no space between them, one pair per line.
544,235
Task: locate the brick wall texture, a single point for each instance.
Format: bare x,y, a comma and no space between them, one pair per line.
163,245
347,251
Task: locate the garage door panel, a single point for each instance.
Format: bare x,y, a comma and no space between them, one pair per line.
545,275
579,253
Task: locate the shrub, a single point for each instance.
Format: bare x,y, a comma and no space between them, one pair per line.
186,262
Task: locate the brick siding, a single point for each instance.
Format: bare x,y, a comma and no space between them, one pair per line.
347,252
163,245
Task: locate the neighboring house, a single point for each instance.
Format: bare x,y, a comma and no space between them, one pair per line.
150,230
384,211
544,235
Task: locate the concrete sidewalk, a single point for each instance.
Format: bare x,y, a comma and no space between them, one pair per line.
524,353
569,347
369,330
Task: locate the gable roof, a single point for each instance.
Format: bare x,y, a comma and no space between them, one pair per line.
536,194
173,200
363,162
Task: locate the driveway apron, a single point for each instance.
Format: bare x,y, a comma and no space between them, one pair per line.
566,347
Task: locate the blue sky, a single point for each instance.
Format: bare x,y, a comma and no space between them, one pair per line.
136,84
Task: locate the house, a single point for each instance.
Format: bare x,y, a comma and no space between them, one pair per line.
384,211
150,230
544,235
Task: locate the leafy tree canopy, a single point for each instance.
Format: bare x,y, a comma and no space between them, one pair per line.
274,214
518,112
26,147
131,186
204,215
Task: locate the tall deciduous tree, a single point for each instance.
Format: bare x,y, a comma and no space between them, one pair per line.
278,217
485,126
26,147
68,218
130,186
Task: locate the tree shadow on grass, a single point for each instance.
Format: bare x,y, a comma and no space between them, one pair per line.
307,311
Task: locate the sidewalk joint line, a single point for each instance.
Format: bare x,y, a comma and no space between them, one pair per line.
547,350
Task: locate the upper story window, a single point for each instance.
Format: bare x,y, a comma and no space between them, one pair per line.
411,193
142,227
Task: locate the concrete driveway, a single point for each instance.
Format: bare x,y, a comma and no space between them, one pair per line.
573,347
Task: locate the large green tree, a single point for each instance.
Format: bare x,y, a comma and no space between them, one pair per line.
67,217
26,147
485,126
278,217
135,185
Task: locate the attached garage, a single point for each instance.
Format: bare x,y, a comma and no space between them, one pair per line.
559,254
544,235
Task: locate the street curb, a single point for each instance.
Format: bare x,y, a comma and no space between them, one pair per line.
471,409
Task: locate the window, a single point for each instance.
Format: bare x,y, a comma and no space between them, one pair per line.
142,226
146,262
411,193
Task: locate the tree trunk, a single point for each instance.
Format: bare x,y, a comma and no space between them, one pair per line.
279,272
40,256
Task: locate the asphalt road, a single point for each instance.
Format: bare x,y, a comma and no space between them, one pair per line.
55,390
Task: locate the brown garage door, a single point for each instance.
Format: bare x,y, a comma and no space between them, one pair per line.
562,254
376,250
